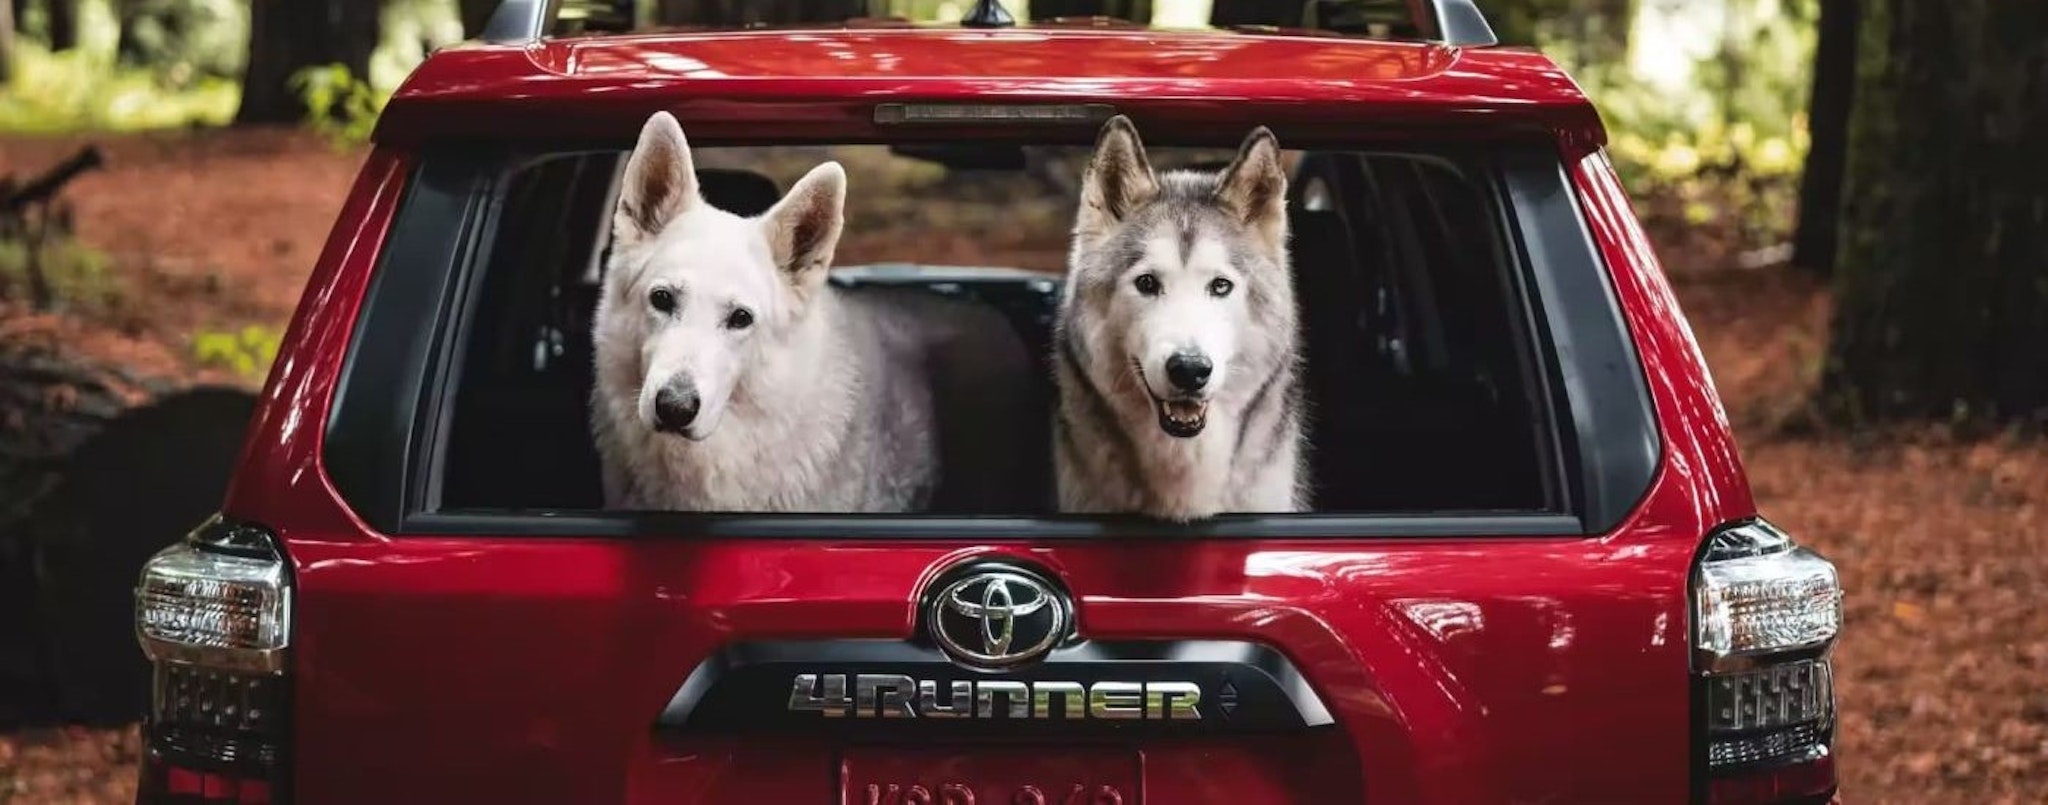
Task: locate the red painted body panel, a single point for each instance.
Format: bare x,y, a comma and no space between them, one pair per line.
522,669
793,86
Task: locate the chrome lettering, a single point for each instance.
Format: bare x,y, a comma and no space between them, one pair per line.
833,701
1076,698
1028,795
959,705
894,696
1116,700
1018,695
955,794
1173,701
894,692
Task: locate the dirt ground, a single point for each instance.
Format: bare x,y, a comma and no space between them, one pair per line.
1943,545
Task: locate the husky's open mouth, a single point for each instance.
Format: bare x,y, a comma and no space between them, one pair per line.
1180,418
1183,418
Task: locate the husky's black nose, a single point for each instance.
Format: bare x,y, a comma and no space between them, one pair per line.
675,406
1189,371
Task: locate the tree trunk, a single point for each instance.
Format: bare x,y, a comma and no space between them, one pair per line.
6,42
1136,10
696,12
475,13
1941,286
286,36
63,19
128,50
1820,188
752,12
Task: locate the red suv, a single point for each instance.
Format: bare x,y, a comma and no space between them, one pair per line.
1534,571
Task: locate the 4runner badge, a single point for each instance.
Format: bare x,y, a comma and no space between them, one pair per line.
994,617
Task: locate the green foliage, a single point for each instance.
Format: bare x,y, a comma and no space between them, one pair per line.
339,106
85,89
1728,148
80,277
409,30
181,66
248,352
181,40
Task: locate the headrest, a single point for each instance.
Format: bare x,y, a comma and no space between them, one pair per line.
742,193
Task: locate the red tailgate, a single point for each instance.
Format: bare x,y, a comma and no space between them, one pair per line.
1439,670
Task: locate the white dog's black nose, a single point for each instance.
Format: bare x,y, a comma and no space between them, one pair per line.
1188,371
675,406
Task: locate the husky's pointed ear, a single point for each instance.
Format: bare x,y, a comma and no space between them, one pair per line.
803,228
1119,178
660,182
1254,187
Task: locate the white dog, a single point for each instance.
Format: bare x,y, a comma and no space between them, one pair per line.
731,376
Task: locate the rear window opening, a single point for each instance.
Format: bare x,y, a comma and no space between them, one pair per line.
1426,370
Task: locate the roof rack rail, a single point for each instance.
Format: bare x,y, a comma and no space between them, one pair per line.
1461,24
518,22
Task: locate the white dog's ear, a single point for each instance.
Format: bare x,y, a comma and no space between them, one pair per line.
1254,187
1118,181
803,228
660,182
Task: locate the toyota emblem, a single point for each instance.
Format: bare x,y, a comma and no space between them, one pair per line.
996,617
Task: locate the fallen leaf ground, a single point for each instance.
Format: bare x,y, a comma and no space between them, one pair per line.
1943,544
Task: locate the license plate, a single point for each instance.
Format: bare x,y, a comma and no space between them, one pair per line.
990,776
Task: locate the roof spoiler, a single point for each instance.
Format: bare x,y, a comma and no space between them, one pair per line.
1458,22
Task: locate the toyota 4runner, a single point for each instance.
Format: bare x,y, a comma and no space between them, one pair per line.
1534,571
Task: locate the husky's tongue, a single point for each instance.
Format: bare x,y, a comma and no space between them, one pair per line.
1182,418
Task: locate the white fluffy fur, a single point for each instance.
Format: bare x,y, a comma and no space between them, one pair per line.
827,402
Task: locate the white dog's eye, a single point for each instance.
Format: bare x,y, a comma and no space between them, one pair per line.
1220,287
739,319
662,299
1147,284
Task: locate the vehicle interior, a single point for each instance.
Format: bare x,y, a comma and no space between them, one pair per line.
1423,391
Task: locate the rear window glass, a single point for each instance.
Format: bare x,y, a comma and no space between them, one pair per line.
1420,392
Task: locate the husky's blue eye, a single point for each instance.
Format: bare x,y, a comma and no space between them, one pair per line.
739,319
1147,284
663,300
1220,287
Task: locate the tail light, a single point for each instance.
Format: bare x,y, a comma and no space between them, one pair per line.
213,614
1766,613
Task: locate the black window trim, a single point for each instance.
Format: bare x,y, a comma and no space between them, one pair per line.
385,419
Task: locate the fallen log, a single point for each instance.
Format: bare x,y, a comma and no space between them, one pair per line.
98,468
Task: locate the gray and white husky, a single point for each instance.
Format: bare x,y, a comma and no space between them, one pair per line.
1177,356
731,376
